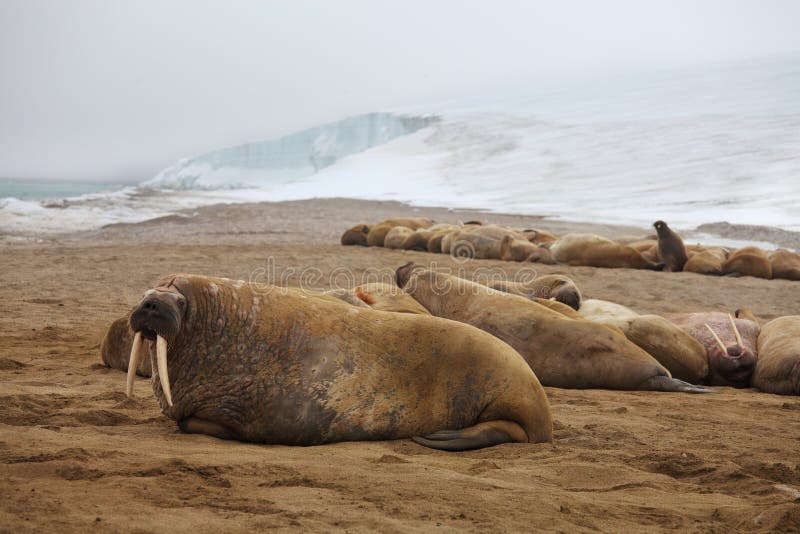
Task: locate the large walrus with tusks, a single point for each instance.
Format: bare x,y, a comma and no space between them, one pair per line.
730,344
563,352
279,365
778,364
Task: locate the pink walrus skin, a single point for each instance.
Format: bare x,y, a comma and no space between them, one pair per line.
730,344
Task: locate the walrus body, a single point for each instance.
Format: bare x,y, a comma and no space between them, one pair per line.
671,251
748,261
357,235
277,365
706,261
478,242
596,251
785,264
420,238
115,350
377,233
730,362
778,365
563,352
676,350
556,286
396,237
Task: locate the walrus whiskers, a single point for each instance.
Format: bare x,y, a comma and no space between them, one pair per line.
719,341
736,332
163,374
133,363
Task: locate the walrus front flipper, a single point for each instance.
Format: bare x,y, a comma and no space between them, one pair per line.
474,437
195,425
666,383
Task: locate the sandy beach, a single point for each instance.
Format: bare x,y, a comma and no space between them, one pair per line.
76,454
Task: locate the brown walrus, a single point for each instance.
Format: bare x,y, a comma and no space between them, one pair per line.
556,286
706,260
115,350
378,232
419,239
478,242
778,364
515,249
785,264
748,261
676,350
396,236
730,344
671,250
563,352
277,365
357,235
596,251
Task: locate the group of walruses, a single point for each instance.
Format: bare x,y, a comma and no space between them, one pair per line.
454,364
663,251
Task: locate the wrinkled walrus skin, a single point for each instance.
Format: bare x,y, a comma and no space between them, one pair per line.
282,366
563,352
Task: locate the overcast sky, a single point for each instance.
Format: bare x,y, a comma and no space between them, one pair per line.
113,90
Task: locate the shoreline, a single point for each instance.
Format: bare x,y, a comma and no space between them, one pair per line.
235,218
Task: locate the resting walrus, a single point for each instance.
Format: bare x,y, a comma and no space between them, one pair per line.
277,365
377,233
748,261
676,350
785,264
357,235
563,352
115,350
778,364
730,344
596,251
556,286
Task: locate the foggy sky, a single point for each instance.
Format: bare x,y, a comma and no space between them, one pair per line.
113,90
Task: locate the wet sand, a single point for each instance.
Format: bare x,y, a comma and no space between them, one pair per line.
75,454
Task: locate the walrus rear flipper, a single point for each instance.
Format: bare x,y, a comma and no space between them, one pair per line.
474,437
666,383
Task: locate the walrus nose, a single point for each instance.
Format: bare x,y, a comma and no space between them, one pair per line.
734,351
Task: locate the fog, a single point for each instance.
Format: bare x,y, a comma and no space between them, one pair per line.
112,90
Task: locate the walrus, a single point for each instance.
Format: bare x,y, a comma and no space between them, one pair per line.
730,344
748,261
279,366
706,261
596,251
671,250
357,235
396,236
563,352
673,348
478,242
418,240
515,249
115,350
377,233
778,364
555,286
785,264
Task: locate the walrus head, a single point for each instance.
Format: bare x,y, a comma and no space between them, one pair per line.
564,290
158,317
733,363
356,235
661,228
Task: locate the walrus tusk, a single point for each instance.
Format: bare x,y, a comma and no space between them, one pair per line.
133,362
719,341
736,331
163,374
